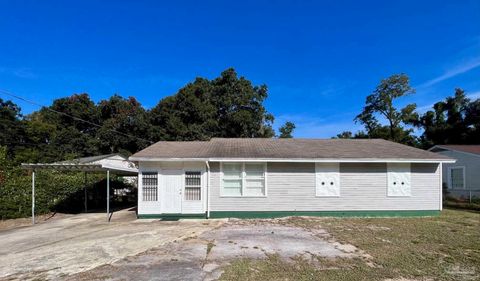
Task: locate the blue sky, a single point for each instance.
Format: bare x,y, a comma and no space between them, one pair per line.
320,59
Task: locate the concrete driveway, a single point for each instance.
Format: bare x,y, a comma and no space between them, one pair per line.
203,257
81,242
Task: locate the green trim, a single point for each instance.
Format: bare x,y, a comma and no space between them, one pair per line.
172,216
277,214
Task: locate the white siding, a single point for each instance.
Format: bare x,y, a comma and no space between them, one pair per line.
188,206
291,187
471,164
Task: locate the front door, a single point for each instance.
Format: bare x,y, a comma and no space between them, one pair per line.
172,193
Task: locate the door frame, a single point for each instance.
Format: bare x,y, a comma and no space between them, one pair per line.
181,174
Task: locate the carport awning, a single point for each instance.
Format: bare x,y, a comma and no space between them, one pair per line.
80,168
114,163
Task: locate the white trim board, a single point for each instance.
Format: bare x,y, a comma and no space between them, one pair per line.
302,160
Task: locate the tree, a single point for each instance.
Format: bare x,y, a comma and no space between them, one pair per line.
125,125
187,115
12,127
286,130
456,120
344,135
381,103
472,118
56,132
227,106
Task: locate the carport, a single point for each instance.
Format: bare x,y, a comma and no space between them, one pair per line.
109,163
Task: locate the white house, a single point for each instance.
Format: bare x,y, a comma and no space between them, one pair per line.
461,178
282,177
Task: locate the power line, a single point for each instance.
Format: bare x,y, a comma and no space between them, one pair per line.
71,116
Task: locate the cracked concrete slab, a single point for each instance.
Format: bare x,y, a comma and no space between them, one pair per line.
202,257
256,241
86,241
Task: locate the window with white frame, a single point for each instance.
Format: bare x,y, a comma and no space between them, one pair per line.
398,179
150,186
193,185
243,179
456,177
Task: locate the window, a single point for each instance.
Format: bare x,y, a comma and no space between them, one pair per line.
193,185
398,179
456,177
232,179
149,186
254,180
243,179
327,179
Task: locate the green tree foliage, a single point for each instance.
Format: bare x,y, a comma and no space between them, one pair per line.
57,135
380,105
187,115
126,116
350,135
344,135
227,106
11,127
286,130
54,191
456,120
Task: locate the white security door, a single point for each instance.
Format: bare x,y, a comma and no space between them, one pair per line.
172,193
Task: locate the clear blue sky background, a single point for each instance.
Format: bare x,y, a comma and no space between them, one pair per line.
320,59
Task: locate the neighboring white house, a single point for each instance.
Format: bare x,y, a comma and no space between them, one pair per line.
282,177
462,178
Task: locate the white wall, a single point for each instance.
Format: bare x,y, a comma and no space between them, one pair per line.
155,207
363,186
471,164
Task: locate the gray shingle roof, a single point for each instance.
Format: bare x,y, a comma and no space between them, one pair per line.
260,148
469,148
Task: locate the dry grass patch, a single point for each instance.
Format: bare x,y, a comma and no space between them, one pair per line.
437,248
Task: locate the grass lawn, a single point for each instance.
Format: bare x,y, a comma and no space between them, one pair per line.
437,248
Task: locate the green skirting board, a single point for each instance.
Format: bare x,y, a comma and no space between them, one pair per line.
279,214
172,216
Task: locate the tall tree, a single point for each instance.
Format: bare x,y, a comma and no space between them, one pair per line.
58,131
227,106
381,103
452,121
11,127
286,130
125,127
472,118
187,115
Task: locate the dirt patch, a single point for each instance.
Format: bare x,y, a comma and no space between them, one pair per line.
16,223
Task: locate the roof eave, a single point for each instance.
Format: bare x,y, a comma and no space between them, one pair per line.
452,149
340,160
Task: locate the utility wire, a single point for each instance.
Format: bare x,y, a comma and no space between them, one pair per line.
68,115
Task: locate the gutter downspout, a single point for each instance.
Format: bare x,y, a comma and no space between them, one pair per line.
208,189
441,185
